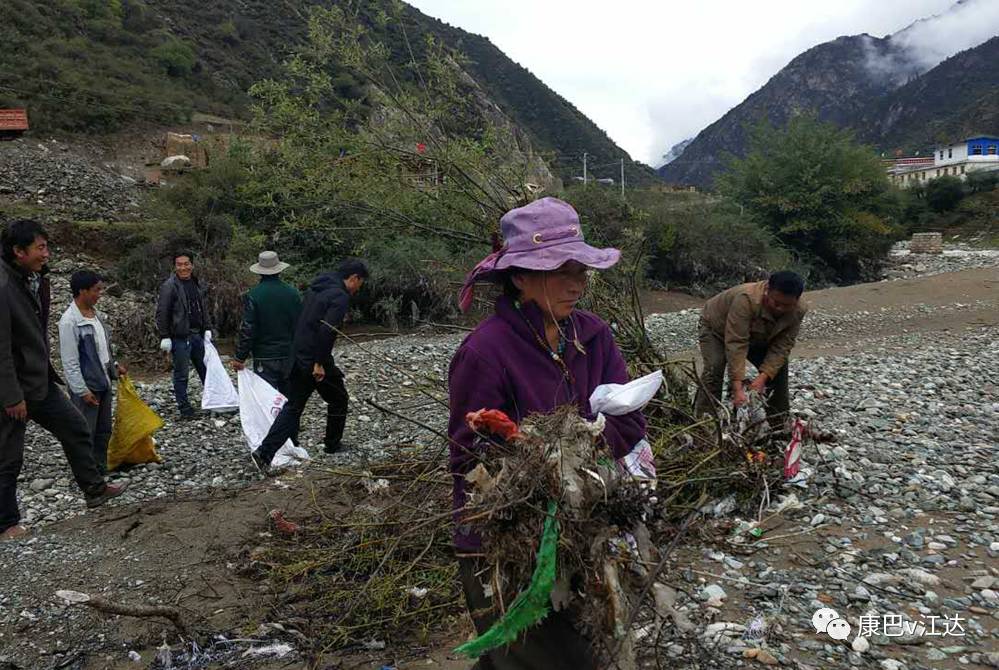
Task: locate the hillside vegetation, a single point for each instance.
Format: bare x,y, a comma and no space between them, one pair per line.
95,66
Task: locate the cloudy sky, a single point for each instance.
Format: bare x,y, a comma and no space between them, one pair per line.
654,72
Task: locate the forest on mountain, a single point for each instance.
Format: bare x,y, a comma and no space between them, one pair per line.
97,66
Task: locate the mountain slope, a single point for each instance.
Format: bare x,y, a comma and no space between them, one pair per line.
833,78
957,98
896,92
87,66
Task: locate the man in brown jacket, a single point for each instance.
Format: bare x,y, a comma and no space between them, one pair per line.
756,322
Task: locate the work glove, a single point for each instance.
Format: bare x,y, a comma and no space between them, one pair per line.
208,336
166,345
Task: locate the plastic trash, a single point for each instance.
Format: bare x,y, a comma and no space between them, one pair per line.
792,454
259,404
219,394
619,399
132,433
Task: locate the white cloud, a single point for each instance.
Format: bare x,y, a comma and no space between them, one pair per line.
654,72
968,24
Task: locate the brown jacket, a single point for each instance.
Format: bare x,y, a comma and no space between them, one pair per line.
737,316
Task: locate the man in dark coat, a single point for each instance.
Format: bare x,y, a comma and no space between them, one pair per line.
28,387
267,331
184,326
326,303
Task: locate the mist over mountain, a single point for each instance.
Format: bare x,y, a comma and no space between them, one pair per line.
853,80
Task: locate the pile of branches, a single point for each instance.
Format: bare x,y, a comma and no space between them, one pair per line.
373,561
604,547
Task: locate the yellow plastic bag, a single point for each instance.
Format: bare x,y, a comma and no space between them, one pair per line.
134,424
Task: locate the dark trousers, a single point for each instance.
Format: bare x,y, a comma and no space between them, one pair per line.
274,371
186,351
709,391
553,644
99,421
298,390
56,414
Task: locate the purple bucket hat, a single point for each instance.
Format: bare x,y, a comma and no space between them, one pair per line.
540,236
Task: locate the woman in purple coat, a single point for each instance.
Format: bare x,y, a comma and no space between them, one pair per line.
537,352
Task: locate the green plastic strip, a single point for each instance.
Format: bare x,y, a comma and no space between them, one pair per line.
531,605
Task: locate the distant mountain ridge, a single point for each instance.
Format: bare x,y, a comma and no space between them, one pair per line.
675,152
885,89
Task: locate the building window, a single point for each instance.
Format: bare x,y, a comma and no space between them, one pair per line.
992,150
976,150
941,154
950,152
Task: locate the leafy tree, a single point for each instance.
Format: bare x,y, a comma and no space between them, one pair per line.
819,192
176,57
944,193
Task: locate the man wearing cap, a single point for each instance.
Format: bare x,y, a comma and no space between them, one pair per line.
267,332
327,301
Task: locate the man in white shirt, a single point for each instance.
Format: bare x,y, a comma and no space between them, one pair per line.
87,360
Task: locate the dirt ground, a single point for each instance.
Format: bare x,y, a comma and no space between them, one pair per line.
189,548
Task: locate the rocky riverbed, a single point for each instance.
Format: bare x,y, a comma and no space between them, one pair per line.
897,530
900,516
903,264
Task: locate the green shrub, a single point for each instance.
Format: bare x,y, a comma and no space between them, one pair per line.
944,193
175,57
709,246
980,181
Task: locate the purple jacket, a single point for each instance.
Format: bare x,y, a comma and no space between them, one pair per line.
501,365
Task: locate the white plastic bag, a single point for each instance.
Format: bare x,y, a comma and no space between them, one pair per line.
259,404
219,394
619,399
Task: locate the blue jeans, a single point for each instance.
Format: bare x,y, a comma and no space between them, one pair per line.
185,352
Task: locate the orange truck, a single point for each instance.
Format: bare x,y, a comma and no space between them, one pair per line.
13,123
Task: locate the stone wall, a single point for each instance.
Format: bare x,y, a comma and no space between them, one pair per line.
926,243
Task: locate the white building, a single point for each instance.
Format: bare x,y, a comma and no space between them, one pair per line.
973,154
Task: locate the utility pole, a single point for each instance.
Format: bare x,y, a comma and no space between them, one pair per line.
584,168
622,178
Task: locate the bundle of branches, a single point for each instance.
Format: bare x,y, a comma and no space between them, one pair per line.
729,456
604,548
373,561
697,459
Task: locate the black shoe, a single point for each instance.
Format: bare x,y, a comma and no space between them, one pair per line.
263,466
109,491
334,449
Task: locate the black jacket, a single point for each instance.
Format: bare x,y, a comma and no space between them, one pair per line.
172,312
326,300
25,366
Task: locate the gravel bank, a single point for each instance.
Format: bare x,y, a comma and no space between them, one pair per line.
900,516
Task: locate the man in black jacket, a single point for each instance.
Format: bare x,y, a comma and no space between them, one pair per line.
28,387
183,323
326,304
